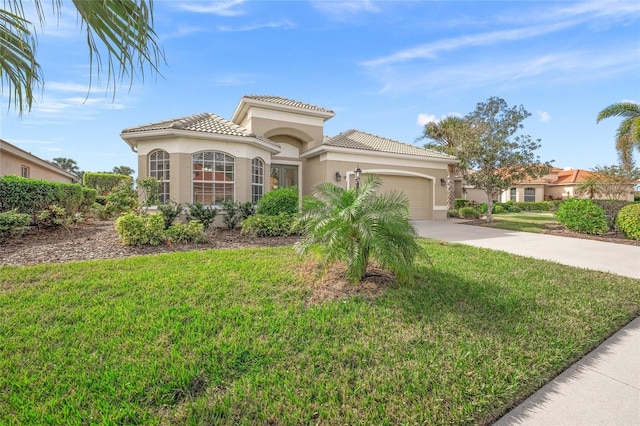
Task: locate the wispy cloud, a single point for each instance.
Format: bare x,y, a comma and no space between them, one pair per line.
341,10
545,21
505,72
184,31
220,8
432,50
231,80
286,25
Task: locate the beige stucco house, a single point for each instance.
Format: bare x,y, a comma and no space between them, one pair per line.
273,142
558,184
15,161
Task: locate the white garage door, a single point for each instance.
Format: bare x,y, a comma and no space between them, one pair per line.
416,189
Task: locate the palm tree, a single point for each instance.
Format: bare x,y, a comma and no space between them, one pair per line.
628,134
357,224
121,28
123,170
67,164
447,135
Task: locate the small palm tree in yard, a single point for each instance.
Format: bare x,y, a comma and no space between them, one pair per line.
355,225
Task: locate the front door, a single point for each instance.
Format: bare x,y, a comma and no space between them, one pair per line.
283,176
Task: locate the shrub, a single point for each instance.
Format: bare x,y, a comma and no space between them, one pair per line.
192,232
628,221
468,213
261,225
140,229
611,209
148,188
281,200
123,199
482,208
170,212
582,216
453,213
105,183
459,203
231,216
498,209
542,206
205,215
246,209
12,224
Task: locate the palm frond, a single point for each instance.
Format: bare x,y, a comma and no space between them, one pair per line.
19,69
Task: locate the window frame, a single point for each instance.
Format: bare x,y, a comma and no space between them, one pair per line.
257,179
220,164
164,181
527,196
513,194
25,171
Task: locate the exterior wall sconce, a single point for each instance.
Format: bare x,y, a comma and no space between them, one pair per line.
338,177
357,171
443,182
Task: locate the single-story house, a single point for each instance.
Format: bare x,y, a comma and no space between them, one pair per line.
15,161
272,142
558,184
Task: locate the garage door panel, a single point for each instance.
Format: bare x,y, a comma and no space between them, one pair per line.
416,189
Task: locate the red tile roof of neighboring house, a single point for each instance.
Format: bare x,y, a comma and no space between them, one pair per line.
565,177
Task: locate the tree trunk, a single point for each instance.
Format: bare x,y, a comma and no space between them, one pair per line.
451,187
489,207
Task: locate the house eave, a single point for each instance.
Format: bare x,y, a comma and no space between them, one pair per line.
246,103
328,148
12,149
132,137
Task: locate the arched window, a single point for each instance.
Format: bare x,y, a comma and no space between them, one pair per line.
213,177
159,169
512,194
529,195
257,179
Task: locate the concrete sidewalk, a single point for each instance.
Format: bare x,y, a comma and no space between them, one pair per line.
603,388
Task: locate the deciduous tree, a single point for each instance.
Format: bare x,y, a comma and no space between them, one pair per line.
496,157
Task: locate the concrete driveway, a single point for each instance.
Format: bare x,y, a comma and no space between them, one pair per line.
619,259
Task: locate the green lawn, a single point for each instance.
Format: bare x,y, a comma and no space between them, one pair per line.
526,221
226,337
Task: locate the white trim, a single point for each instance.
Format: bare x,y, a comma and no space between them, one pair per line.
440,208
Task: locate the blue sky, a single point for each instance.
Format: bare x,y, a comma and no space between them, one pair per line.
383,67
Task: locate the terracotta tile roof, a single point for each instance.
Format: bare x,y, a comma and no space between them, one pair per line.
288,102
202,123
355,139
571,176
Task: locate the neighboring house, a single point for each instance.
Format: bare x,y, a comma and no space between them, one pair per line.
558,184
15,161
273,142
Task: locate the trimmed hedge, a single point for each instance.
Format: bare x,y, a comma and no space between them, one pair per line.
628,221
12,224
581,215
104,183
32,196
140,229
542,206
468,213
261,225
281,200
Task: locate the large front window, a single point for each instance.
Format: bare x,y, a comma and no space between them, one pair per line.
283,176
257,179
529,195
213,177
512,194
159,169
